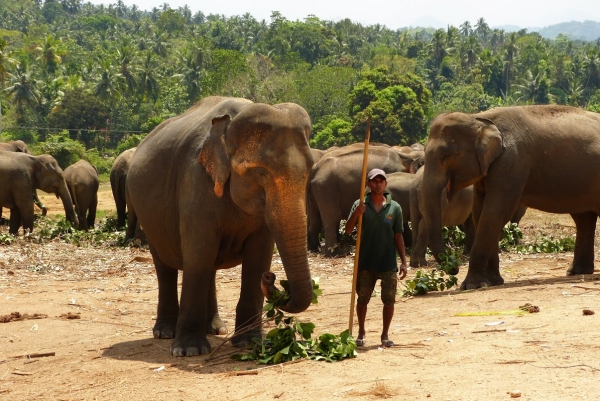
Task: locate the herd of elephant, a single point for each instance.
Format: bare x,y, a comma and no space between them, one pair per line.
228,180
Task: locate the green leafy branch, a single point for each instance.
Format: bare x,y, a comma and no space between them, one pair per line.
292,340
439,278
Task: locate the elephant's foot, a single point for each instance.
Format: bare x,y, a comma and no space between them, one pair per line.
418,262
216,326
164,329
244,339
472,282
190,344
334,251
495,279
575,270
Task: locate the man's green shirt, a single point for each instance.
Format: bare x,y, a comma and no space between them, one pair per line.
377,246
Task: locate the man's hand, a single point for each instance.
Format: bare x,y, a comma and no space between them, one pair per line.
360,209
402,271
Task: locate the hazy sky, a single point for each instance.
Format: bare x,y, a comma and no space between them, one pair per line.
398,14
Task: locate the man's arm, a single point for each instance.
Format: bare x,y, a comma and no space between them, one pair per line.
399,240
357,211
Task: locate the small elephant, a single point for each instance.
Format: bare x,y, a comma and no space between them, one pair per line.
82,181
20,174
334,185
218,186
509,155
118,177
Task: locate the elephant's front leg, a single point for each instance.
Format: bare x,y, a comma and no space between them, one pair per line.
257,255
198,277
583,258
484,245
168,303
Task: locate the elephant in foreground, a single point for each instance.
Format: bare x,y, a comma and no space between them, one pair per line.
82,181
510,157
218,186
334,185
118,177
20,175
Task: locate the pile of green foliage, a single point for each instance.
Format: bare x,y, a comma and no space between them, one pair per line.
438,278
105,233
292,339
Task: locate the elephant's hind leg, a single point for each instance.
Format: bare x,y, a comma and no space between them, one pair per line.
583,259
214,324
168,304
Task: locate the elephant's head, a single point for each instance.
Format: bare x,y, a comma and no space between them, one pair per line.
262,154
459,152
49,178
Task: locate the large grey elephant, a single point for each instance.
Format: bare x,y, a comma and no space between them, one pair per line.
213,188
82,181
20,175
334,185
118,177
510,156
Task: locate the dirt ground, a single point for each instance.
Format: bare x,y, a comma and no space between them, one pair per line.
108,353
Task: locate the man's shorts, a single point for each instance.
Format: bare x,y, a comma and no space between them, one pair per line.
365,284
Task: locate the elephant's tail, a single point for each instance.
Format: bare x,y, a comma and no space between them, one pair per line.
74,199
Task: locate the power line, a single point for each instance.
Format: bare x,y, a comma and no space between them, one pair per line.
73,129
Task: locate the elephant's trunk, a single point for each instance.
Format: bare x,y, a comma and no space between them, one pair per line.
432,193
65,197
287,221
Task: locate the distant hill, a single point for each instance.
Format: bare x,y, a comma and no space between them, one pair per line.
587,30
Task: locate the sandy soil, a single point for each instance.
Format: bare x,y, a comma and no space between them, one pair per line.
108,353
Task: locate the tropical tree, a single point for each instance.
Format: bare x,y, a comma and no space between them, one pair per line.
50,53
22,90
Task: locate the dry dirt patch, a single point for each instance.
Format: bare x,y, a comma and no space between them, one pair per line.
108,353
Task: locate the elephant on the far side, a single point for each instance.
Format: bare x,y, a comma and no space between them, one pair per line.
455,212
82,181
334,185
118,177
20,175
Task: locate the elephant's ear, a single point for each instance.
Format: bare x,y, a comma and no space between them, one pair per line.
489,144
213,155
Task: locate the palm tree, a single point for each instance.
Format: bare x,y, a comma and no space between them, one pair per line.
470,50
466,29
591,64
51,53
125,54
511,50
106,85
6,61
160,43
148,77
23,90
482,29
438,46
529,88
190,74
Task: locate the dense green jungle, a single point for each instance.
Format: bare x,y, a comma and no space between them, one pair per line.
88,81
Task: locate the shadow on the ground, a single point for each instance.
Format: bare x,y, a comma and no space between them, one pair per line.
157,354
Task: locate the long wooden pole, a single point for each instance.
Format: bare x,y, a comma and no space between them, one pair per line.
361,197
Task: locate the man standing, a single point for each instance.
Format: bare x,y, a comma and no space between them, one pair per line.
381,236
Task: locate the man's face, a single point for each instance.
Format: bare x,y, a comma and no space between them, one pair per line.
377,185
